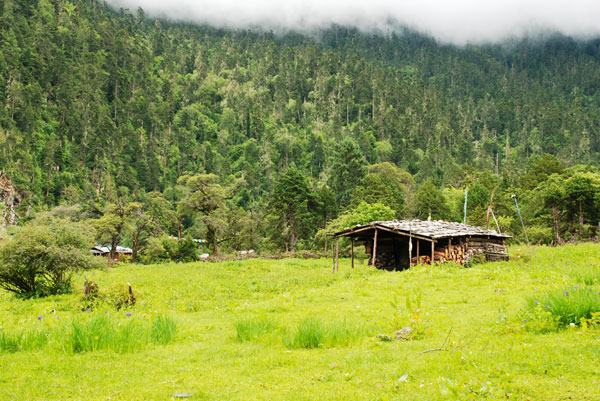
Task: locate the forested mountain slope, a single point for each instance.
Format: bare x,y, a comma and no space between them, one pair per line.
96,99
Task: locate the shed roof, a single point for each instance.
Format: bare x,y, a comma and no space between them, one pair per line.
429,229
106,249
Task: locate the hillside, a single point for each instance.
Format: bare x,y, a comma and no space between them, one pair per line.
96,100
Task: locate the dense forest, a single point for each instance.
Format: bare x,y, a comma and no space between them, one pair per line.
256,140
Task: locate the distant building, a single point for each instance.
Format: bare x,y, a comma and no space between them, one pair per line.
397,245
105,251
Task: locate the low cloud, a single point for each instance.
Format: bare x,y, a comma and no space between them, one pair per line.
458,21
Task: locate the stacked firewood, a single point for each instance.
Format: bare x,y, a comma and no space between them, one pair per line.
450,253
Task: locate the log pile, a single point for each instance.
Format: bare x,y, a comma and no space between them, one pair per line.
450,253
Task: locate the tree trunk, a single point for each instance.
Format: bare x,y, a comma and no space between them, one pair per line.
113,246
581,216
555,218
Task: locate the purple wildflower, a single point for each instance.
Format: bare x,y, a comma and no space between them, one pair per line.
524,320
547,306
40,317
536,303
576,287
566,293
128,313
88,310
105,311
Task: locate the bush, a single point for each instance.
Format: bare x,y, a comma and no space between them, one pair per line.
170,249
39,260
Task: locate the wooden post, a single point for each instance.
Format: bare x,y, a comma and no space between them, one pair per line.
333,258
418,253
374,248
432,251
352,251
337,254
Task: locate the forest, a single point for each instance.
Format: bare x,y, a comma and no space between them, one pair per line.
150,129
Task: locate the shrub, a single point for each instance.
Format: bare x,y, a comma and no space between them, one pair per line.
170,249
40,259
567,306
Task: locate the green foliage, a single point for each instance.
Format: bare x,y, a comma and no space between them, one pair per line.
431,201
39,260
314,333
100,332
93,333
347,170
568,306
165,249
253,329
293,204
25,340
588,275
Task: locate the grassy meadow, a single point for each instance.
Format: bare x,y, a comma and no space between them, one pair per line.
292,330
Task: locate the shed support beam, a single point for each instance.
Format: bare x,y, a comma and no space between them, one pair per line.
432,251
337,254
375,247
352,251
418,253
333,257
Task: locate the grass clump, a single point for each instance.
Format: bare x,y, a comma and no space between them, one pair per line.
253,329
314,333
163,330
102,333
23,341
565,307
589,275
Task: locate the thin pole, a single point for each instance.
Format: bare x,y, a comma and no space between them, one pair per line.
418,253
333,258
374,247
337,254
432,251
465,218
518,211
352,251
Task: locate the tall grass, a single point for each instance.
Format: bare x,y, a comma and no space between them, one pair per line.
253,329
568,306
101,333
25,340
314,333
163,330
96,333
589,275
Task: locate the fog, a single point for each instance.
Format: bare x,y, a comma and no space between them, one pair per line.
452,21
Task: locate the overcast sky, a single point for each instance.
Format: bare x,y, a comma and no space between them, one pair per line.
455,21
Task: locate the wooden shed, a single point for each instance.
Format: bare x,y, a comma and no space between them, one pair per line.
100,250
397,245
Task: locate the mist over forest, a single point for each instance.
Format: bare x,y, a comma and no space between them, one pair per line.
292,134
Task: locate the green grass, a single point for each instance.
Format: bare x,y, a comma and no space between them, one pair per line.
314,333
291,329
93,333
588,275
568,306
253,329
